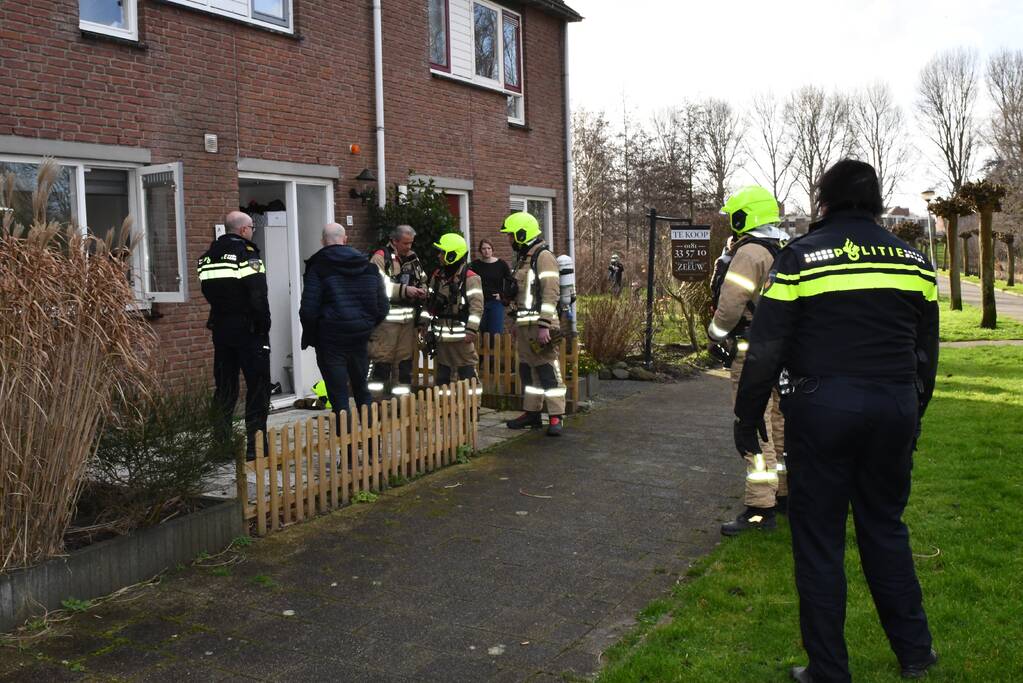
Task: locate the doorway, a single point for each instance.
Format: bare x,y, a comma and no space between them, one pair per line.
289,215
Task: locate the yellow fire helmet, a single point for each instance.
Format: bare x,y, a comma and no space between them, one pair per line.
453,247
749,208
523,226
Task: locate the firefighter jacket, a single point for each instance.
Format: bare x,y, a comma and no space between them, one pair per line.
539,287
233,280
848,299
746,273
398,275
455,305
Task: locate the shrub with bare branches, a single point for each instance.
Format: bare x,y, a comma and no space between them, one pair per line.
69,343
612,328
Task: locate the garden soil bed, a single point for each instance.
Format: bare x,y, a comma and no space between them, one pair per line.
106,566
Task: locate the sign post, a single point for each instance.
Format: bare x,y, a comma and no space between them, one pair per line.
690,252
648,359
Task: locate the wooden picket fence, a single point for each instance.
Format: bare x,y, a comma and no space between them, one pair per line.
310,468
499,370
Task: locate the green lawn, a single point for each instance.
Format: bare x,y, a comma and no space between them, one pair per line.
964,325
734,618
1016,288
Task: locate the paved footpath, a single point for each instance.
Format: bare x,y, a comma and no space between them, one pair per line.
460,576
1006,304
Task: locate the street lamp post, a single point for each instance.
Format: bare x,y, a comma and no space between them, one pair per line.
927,196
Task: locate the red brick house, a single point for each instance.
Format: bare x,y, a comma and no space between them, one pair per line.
177,111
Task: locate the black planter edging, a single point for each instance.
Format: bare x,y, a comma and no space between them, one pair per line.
107,566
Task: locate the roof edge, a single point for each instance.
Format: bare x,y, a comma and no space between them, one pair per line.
555,7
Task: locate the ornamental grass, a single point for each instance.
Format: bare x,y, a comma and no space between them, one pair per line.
70,343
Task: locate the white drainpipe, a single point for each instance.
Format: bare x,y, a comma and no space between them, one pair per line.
378,64
569,166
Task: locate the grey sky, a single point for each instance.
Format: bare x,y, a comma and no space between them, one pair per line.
654,53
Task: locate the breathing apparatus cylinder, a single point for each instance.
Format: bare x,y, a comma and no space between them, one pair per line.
566,302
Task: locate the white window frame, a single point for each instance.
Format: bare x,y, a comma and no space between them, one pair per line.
250,17
181,295
523,202
463,208
140,272
129,32
482,81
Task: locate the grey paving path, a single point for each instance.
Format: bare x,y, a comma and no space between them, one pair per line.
1006,304
460,576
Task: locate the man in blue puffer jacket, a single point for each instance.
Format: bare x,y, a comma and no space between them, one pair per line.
343,299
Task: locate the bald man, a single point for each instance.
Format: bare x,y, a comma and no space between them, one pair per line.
233,280
343,300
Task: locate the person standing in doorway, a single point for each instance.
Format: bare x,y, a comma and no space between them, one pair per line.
343,300
233,280
494,272
851,312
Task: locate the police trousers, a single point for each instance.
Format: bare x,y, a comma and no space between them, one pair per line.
540,373
850,442
764,494
250,353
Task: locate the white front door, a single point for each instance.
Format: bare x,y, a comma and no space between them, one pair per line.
289,214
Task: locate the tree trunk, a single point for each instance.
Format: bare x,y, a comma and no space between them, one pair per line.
1012,264
987,271
966,256
955,292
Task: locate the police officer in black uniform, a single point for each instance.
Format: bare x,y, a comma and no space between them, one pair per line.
233,280
851,312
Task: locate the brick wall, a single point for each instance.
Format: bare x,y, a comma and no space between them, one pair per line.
301,99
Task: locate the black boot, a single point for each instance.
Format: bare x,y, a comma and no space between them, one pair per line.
527,420
752,518
920,670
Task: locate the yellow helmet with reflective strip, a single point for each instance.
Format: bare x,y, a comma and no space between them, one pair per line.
453,247
523,226
749,208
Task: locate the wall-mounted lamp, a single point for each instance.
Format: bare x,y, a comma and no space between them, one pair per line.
366,176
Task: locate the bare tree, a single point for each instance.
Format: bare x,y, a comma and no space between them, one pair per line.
723,131
819,125
594,181
880,135
773,154
1005,84
947,95
677,138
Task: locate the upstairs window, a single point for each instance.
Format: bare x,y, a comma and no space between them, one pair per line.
111,17
440,45
274,14
486,41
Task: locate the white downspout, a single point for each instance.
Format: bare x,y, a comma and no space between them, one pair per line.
378,65
569,166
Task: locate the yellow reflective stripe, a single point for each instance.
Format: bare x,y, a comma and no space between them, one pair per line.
555,393
845,282
247,270
547,274
536,391
549,308
474,291
716,332
474,319
218,274
388,284
740,280
853,267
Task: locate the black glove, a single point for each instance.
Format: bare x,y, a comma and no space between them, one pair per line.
745,433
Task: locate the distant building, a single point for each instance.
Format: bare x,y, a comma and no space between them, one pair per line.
795,224
899,214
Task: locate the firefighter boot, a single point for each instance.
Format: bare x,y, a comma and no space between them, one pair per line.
527,420
920,670
800,674
554,428
752,518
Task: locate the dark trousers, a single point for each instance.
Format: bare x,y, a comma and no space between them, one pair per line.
339,366
850,442
249,353
444,373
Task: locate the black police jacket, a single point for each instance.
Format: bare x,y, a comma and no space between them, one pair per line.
343,297
848,299
233,279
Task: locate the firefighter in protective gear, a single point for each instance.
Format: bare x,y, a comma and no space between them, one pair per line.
393,342
739,276
536,317
454,310
233,280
